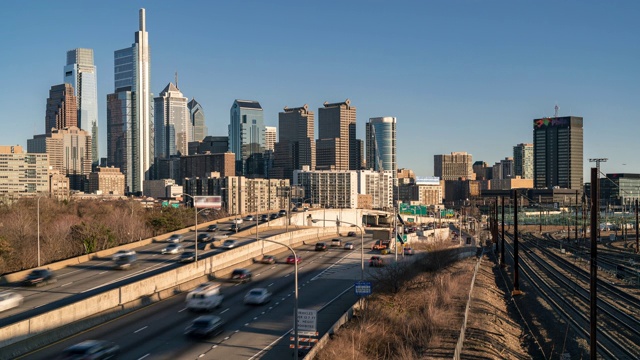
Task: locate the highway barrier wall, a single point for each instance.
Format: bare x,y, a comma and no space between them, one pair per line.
154,288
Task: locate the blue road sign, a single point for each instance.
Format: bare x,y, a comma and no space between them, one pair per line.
363,288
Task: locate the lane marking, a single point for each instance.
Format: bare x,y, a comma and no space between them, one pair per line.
69,283
182,310
137,331
246,324
270,284
104,272
224,311
144,356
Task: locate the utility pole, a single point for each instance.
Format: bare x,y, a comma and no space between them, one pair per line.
597,217
595,209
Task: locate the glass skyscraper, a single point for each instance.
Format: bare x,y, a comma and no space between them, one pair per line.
80,72
173,130
197,119
246,132
129,112
381,145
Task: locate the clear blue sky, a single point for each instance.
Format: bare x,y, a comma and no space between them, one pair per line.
459,75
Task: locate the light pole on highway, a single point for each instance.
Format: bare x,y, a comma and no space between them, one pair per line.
361,242
295,303
38,216
193,200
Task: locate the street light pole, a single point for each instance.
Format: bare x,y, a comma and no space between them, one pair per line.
361,243
195,210
38,203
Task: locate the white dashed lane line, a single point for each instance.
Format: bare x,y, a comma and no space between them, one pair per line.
144,356
224,311
137,331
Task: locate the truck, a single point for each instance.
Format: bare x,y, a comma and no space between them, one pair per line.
205,297
382,239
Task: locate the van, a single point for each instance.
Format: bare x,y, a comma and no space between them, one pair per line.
336,242
205,297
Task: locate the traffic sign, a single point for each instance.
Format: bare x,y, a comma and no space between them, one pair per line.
363,288
307,320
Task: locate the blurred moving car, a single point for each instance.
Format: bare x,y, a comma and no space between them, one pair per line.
268,259
241,275
173,249
229,244
351,233
273,216
10,300
408,251
282,213
264,217
39,277
206,297
212,228
336,242
291,259
348,246
188,256
92,349
204,237
257,296
235,227
236,221
125,262
175,238
376,261
123,252
321,246
205,326
249,218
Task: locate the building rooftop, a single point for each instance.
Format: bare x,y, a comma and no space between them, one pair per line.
250,104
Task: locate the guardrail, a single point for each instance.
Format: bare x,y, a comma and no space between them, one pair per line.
142,292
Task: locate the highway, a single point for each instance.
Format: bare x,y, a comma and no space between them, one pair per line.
86,279
156,331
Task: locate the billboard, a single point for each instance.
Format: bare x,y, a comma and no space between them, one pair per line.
208,202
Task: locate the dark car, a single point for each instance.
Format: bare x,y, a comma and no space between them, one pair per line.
205,326
92,349
351,233
188,256
241,275
376,261
321,246
282,213
212,228
273,216
125,262
235,227
204,237
264,217
39,277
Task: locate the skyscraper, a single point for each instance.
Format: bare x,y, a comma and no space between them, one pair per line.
80,72
246,132
381,144
523,160
62,109
129,117
454,166
270,137
197,119
296,146
338,120
558,152
173,130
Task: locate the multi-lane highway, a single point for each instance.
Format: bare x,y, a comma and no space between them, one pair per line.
83,280
156,331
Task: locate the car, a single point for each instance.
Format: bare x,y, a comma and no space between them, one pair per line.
234,227
257,296
273,216
351,233
408,251
125,262
205,326
336,242
204,237
188,256
264,217
229,244
268,259
321,246
173,249
92,349
39,277
10,300
376,261
212,228
175,238
291,259
241,275
123,252
237,221
249,218
282,213
348,246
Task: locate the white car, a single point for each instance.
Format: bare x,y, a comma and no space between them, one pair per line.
257,296
229,244
120,253
9,300
237,221
348,246
173,249
249,218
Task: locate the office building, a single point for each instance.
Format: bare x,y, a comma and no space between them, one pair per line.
129,112
62,108
558,153
80,72
246,132
523,160
424,191
328,156
619,191
210,144
296,146
197,120
482,170
202,165
167,168
173,130
58,185
69,151
329,188
504,169
270,137
106,181
454,166
381,144
23,174
160,189
377,184
338,121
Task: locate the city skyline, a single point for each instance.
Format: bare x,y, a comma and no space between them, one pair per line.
456,81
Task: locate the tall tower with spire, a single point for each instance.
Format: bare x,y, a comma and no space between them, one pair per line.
130,138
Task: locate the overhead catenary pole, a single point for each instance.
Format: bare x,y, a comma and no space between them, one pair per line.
576,217
637,241
502,264
516,274
595,208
